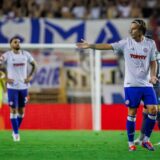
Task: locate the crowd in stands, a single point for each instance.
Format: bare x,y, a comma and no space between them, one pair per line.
85,9
79,9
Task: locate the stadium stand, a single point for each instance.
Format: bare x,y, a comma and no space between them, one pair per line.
89,9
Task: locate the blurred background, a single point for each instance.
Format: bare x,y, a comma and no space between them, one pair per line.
62,90
79,9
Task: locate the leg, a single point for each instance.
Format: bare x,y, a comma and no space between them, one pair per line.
22,102
150,123
20,115
145,115
13,118
158,120
150,100
157,91
139,140
12,101
132,99
158,117
131,119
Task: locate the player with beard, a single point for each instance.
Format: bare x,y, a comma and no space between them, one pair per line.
16,62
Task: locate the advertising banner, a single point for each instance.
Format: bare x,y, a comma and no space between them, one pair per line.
76,69
63,31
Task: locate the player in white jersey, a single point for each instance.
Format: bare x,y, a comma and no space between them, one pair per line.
16,62
140,75
139,140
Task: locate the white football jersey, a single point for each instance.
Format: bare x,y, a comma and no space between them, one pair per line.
138,56
16,65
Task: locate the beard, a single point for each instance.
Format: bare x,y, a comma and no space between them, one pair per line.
136,35
17,48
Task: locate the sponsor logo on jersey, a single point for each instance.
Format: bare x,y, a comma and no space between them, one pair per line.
145,50
136,56
18,64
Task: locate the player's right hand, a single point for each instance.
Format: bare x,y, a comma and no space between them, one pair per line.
10,81
84,44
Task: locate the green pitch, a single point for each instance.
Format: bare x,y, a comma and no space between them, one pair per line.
73,145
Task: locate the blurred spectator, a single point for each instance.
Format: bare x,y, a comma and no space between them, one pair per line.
104,6
136,10
154,25
33,9
151,3
124,8
149,7
80,9
40,2
66,9
112,10
94,10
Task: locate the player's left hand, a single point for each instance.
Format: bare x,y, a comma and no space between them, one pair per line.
153,80
28,79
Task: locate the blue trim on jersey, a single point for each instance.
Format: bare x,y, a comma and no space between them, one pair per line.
17,98
134,95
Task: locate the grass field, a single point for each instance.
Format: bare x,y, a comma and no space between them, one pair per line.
73,145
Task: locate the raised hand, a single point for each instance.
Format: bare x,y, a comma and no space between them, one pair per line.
84,44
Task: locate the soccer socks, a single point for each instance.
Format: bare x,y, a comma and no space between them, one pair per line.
158,119
131,128
150,123
14,122
19,119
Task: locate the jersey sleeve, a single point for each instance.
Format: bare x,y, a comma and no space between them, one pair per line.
118,47
29,57
154,52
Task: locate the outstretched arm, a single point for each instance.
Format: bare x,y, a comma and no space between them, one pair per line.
85,45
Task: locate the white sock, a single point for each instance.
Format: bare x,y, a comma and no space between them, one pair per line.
130,143
146,139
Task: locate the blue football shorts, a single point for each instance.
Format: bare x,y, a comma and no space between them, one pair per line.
17,98
134,95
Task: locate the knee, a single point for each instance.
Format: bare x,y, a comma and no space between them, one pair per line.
152,110
13,110
132,112
21,111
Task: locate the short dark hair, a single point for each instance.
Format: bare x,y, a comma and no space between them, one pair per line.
142,25
15,37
